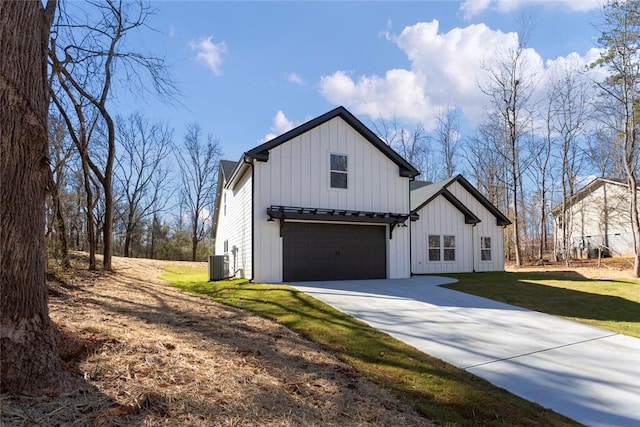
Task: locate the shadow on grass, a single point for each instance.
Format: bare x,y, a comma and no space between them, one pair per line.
438,390
521,289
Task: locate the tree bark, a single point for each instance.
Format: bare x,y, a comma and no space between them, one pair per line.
27,335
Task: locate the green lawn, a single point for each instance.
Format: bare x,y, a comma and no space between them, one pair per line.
438,390
612,304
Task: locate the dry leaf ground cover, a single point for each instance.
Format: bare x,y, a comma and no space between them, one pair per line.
138,352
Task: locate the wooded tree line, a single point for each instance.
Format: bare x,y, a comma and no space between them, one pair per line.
112,190
103,201
542,135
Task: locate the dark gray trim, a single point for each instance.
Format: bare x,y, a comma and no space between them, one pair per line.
501,219
335,215
469,217
253,218
261,152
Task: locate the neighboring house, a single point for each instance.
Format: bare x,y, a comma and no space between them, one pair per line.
454,229
327,200
597,217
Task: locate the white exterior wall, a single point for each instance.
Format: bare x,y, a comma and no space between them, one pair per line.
297,174
587,227
487,227
440,217
234,225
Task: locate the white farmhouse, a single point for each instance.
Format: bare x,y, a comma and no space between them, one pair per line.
597,217
455,229
326,200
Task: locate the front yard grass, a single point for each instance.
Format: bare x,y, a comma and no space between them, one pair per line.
612,304
439,391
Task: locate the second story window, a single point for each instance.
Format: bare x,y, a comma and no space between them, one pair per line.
338,169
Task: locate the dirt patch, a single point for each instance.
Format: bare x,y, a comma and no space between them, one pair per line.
609,268
138,352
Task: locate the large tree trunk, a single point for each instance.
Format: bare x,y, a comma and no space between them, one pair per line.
27,336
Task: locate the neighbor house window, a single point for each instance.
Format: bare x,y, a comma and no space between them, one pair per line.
226,246
442,248
485,248
434,247
338,169
449,248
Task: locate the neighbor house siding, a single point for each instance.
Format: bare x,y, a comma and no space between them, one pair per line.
297,174
487,227
441,218
591,219
235,226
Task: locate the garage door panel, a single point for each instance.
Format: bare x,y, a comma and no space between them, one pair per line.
313,251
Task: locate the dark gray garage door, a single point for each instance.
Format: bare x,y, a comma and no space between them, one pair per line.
333,252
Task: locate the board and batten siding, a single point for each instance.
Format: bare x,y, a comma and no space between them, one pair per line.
487,227
235,227
587,227
441,218
297,174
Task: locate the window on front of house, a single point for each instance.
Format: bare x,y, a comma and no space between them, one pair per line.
449,250
434,247
338,169
442,248
485,248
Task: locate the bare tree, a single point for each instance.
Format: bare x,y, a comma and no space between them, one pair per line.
413,144
620,43
85,58
140,172
198,163
447,135
509,89
487,163
27,335
60,153
568,113
540,153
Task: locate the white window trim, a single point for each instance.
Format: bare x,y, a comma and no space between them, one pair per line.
331,171
490,249
441,248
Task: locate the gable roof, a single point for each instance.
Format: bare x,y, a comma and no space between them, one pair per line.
585,191
424,195
414,185
227,167
261,152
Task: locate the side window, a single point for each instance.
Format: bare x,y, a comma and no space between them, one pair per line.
485,248
225,205
226,246
338,170
449,248
434,247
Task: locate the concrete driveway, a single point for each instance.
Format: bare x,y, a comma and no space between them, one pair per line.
588,374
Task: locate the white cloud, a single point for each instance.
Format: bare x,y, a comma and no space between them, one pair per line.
447,69
471,8
209,53
295,78
281,124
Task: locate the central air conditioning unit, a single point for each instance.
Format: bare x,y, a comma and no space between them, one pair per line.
218,267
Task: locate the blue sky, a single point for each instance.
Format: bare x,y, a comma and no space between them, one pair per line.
248,71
